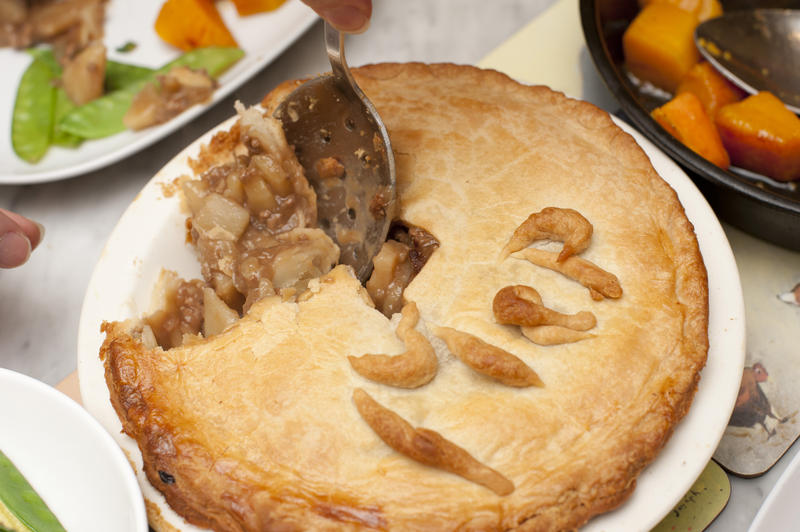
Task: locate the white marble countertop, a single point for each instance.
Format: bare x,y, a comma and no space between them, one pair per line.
40,303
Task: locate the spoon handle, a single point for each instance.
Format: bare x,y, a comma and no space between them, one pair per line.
334,45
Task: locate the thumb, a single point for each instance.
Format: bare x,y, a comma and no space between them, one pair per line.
18,236
351,16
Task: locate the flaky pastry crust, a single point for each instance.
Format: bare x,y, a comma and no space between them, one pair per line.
255,428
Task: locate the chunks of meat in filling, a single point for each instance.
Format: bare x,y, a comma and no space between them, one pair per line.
253,226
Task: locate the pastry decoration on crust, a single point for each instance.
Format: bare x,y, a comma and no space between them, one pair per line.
488,359
280,394
413,368
522,305
575,231
552,223
426,446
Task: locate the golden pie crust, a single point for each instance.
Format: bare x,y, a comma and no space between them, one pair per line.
256,428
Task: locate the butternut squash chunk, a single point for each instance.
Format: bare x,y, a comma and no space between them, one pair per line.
659,45
761,134
712,88
251,7
684,118
190,24
703,9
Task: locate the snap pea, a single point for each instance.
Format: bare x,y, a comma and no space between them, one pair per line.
214,59
103,117
61,102
117,76
46,55
120,75
32,117
63,105
20,502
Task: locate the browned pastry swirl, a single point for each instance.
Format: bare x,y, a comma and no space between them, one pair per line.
553,223
427,446
413,368
554,335
599,282
488,359
521,305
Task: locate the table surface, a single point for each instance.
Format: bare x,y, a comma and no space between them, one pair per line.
40,303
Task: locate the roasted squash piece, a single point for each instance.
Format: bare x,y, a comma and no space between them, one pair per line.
712,88
190,24
703,9
684,118
659,45
251,7
761,134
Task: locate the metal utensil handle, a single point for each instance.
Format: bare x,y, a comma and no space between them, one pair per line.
334,45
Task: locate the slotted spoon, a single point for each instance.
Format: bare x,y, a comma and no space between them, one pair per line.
344,148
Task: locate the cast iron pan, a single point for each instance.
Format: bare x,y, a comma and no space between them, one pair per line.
763,207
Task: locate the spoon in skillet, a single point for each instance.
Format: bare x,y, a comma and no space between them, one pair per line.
343,146
758,49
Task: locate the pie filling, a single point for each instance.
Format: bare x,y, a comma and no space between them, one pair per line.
253,225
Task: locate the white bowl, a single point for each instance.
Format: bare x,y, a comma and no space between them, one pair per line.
68,458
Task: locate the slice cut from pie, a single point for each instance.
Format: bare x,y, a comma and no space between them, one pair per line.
267,425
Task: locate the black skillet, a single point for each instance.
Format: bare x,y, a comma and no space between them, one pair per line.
763,207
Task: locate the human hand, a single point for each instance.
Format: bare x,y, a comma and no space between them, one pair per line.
18,237
351,16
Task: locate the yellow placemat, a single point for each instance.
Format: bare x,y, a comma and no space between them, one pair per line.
546,51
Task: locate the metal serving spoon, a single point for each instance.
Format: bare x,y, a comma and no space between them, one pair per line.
758,50
344,149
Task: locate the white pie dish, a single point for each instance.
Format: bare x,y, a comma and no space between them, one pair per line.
148,238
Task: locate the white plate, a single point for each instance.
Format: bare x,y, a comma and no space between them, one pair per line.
262,37
68,458
664,483
780,510
151,233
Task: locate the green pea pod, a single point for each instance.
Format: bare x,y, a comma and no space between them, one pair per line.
61,102
63,105
21,508
32,117
213,59
103,117
120,75
45,54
